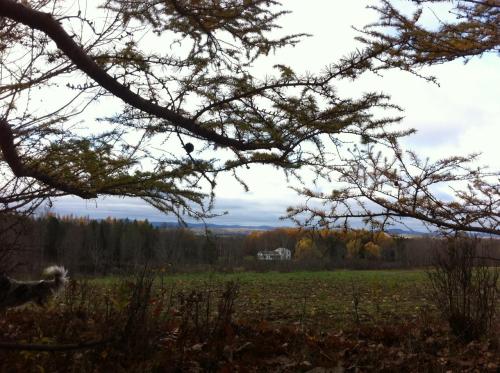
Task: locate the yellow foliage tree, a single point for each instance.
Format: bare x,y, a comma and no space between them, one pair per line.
372,249
353,247
383,239
306,249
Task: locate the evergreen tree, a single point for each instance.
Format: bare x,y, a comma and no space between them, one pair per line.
53,236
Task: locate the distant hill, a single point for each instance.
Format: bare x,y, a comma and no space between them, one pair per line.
246,229
403,232
221,229
201,225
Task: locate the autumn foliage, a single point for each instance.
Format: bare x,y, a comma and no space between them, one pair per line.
315,244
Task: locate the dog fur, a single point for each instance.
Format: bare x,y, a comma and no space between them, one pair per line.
15,293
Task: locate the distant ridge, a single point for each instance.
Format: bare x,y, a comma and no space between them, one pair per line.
216,226
249,228
403,232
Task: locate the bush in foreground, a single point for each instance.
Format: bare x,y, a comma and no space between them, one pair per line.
465,289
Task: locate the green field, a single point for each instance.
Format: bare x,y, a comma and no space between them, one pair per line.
314,299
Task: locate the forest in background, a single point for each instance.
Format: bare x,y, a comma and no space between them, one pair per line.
111,246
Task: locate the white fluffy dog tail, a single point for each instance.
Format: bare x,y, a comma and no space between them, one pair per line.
59,273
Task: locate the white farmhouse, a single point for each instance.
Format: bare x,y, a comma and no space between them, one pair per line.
279,254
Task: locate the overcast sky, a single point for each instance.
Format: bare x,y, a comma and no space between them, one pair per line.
459,117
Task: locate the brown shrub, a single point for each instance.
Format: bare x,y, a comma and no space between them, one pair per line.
465,289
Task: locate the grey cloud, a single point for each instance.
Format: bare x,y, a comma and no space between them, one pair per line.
240,211
432,136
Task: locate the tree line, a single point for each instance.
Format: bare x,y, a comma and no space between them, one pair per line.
113,246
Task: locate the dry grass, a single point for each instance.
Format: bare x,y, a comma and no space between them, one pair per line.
242,322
